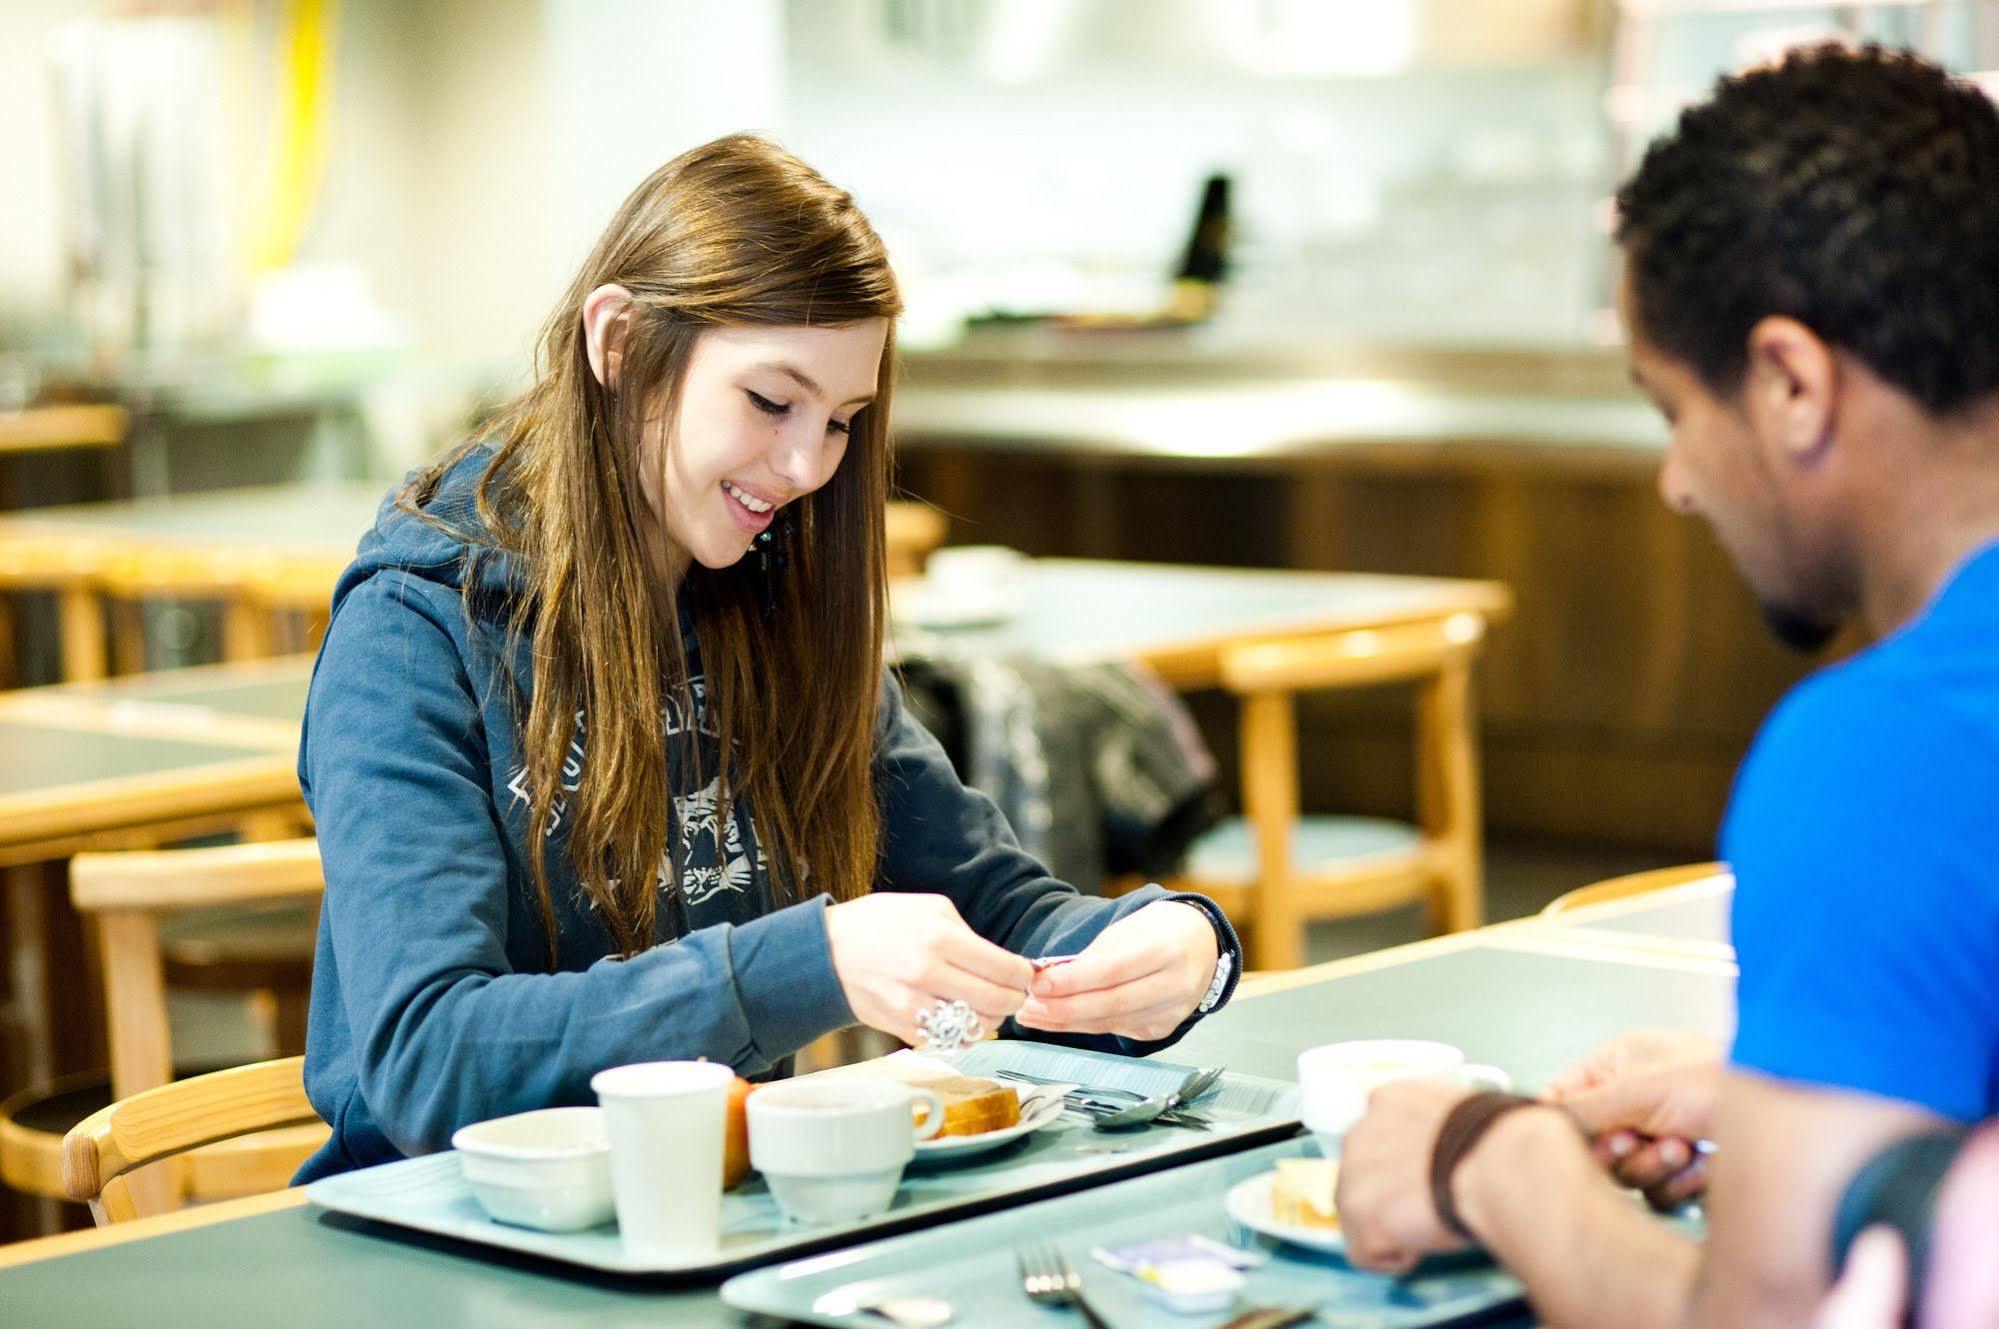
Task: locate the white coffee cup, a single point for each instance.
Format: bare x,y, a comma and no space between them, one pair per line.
975,570
1335,1079
666,1121
833,1150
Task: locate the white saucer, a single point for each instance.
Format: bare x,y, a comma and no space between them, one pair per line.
1248,1203
1034,1114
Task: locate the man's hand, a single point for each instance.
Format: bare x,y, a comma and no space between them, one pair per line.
1141,978
1384,1192
1647,1097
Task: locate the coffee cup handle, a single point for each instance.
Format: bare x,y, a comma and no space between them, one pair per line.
1487,1077
933,1116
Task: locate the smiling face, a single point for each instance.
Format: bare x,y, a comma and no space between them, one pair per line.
762,420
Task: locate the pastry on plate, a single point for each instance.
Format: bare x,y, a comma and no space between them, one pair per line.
1302,1194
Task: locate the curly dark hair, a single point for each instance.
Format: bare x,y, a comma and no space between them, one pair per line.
1855,190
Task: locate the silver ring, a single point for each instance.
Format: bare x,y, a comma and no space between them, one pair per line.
945,1027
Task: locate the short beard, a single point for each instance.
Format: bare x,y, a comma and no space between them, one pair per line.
1798,630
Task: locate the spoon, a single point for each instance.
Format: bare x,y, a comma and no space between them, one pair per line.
1143,1114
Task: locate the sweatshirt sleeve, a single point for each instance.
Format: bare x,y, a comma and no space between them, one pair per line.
443,1029
939,836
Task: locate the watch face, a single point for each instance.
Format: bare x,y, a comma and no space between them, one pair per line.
1221,980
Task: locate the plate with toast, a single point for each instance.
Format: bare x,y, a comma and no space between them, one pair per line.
1292,1203
1036,1107
980,1115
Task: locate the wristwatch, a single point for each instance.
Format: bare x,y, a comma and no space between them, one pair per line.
1225,945
1224,966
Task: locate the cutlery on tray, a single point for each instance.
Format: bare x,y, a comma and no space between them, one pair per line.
1125,1109
1048,1279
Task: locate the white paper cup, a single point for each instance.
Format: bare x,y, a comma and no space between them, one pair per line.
1335,1079
833,1150
666,1121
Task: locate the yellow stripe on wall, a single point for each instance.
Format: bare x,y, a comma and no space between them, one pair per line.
302,129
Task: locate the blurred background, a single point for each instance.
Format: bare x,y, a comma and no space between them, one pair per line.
1290,284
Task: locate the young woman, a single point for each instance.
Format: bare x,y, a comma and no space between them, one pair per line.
605,764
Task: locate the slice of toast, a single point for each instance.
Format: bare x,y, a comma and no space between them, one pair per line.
1302,1195
972,1106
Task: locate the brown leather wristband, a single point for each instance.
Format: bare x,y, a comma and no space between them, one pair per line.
1462,1130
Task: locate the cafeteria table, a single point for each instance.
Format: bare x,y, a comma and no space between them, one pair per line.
1507,995
138,760
154,754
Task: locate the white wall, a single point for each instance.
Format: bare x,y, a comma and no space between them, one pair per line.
30,252
484,143
477,146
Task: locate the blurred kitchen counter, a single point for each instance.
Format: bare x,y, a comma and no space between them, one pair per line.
1178,395
1618,701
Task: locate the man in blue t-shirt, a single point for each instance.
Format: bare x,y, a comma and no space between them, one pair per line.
1811,292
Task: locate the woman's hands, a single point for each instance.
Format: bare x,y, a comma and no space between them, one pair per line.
898,954
1141,978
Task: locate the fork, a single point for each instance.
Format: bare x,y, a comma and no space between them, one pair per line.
1048,1279
1141,1114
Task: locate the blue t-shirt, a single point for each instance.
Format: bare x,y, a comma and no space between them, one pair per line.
1864,834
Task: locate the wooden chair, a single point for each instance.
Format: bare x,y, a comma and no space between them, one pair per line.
289,601
131,577
1273,870
102,1150
62,568
31,564
914,529
139,903
1636,883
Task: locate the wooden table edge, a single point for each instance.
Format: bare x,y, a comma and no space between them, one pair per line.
238,783
133,717
1613,948
36,1249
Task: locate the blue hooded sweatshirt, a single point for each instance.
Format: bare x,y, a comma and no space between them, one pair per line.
434,1003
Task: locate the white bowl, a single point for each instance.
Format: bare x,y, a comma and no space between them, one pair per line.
549,1169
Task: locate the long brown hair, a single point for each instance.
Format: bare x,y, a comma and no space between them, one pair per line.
737,231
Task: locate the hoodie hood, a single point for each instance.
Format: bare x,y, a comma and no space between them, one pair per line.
401,542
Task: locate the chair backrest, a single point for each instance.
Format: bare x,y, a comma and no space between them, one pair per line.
170,1119
126,894
1359,657
1636,883
1436,655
